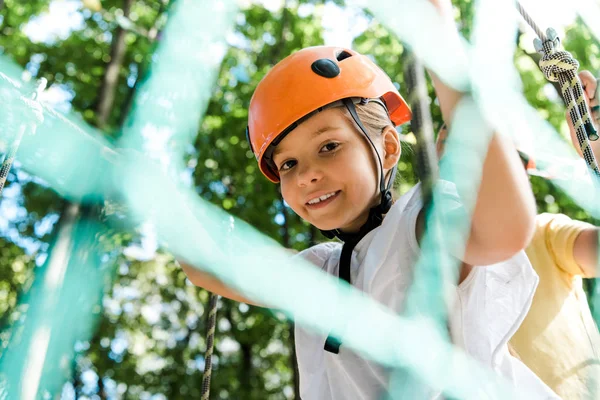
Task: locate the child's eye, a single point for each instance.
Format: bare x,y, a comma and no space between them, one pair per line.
287,165
331,146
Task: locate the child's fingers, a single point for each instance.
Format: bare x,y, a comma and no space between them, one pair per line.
591,91
590,88
595,112
443,6
595,109
595,102
440,143
589,83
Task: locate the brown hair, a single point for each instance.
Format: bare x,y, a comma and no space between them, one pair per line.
374,117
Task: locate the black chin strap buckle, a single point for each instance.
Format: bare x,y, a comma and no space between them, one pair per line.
386,201
332,345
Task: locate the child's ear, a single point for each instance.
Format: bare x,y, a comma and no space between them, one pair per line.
391,147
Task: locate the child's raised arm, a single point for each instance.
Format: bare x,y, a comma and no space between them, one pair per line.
504,216
213,284
503,220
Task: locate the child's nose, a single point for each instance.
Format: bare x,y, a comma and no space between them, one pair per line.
309,175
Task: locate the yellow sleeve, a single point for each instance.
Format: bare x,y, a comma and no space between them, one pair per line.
560,233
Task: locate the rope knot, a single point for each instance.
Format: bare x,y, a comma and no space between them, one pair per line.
556,63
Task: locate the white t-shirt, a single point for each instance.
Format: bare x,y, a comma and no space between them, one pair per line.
490,305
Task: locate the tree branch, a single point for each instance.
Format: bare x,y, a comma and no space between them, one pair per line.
106,97
153,35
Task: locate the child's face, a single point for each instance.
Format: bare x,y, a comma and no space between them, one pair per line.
327,156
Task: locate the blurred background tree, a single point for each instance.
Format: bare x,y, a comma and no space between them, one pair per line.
149,341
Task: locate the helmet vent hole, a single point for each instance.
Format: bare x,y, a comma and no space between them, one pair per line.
342,55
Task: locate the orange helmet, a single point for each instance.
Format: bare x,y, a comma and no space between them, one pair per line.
304,83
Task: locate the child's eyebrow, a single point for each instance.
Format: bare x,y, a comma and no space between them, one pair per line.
324,129
318,132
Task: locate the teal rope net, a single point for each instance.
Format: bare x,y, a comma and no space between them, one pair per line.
173,98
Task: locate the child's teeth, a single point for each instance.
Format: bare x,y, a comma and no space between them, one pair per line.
320,199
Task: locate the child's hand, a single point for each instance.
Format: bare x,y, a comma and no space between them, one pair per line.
440,142
590,87
445,6
445,9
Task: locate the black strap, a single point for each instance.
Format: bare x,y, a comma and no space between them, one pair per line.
332,344
345,260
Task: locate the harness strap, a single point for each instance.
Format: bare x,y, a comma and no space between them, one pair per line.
332,344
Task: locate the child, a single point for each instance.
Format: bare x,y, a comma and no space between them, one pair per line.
558,339
321,123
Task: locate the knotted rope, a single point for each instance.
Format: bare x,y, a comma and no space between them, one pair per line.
559,66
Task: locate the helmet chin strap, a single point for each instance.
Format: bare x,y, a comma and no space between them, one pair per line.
375,213
375,218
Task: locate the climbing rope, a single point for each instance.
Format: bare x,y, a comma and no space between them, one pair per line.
210,344
211,323
434,269
422,127
12,150
10,157
426,294
560,66
427,173
531,22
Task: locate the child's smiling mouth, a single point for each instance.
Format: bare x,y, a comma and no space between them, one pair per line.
323,200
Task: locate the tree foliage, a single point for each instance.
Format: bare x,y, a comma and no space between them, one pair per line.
150,338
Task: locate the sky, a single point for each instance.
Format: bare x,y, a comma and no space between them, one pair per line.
62,18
